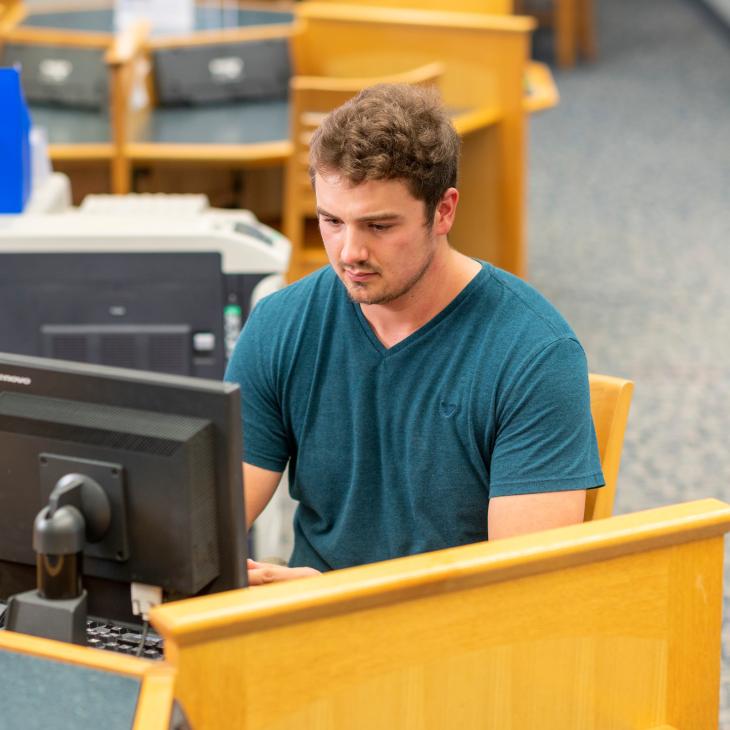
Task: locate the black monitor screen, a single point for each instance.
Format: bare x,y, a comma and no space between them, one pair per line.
166,451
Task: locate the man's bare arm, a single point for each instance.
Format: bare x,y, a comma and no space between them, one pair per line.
259,486
519,514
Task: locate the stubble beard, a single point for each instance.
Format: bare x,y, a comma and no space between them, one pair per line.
359,295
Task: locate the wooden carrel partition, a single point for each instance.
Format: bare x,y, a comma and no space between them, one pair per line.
608,625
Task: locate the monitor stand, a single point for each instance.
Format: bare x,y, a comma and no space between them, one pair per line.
52,618
57,608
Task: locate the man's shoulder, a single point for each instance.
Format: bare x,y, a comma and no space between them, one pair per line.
523,307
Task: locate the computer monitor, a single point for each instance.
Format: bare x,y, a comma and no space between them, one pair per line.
166,450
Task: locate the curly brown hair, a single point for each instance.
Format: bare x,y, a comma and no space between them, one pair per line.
391,132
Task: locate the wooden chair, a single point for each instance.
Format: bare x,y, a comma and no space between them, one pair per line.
310,99
610,400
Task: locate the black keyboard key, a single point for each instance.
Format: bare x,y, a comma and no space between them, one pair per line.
131,638
123,639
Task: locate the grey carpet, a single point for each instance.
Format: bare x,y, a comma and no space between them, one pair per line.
629,229
721,9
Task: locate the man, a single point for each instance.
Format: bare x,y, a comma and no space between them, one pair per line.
421,398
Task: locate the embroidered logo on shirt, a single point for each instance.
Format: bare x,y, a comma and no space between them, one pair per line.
448,409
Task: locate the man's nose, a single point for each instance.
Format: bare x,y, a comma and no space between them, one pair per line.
353,249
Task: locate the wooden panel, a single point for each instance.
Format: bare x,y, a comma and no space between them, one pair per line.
226,35
493,7
342,40
607,625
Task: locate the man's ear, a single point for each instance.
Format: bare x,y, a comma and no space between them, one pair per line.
445,212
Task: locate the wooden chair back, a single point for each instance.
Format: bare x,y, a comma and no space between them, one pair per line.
610,401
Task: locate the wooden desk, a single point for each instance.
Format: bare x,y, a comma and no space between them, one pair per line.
609,625
234,132
206,18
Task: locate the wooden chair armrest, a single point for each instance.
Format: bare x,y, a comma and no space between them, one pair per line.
541,92
429,72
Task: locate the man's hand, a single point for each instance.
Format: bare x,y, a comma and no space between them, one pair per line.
261,573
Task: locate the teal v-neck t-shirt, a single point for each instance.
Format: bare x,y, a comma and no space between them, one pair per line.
395,451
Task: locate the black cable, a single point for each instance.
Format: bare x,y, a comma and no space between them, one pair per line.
145,630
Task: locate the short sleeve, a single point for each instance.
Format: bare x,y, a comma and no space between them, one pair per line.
545,439
265,442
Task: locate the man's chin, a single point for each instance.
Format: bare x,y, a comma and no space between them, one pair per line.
360,294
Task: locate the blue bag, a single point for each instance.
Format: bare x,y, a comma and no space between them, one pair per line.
15,163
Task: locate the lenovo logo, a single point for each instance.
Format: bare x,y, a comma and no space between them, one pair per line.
15,379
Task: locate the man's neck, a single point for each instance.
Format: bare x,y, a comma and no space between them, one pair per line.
445,279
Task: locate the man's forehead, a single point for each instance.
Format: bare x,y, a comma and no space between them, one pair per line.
336,184
335,179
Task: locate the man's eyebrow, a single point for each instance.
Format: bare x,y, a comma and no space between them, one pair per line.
324,213
384,216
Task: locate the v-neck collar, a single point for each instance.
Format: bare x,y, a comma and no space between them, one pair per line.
422,331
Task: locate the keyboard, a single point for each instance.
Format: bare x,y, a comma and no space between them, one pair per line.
112,636
123,639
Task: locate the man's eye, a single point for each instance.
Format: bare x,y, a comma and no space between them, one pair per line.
379,227
331,221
